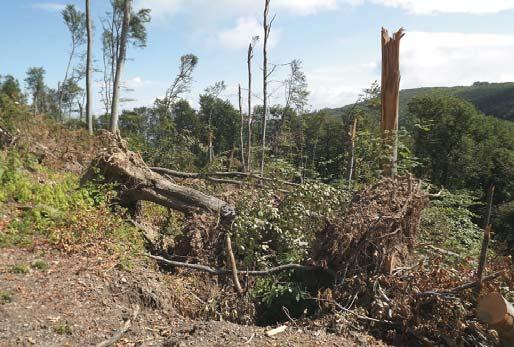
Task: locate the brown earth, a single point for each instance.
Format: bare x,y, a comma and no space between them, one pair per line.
81,301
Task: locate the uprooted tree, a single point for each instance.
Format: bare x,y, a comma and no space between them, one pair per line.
137,182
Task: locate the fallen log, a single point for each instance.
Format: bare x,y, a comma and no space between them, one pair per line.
137,182
498,313
209,176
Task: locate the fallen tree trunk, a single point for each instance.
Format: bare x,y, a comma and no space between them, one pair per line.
498,313
138,182
209,176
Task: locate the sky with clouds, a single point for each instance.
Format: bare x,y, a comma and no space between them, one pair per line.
448,42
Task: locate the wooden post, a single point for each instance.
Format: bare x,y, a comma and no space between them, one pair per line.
353,134
390,97
494,310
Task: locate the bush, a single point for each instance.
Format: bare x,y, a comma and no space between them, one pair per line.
448,223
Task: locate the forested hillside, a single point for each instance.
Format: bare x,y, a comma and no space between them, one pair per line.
493,99
199,221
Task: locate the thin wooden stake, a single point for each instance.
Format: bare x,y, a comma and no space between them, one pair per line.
233,265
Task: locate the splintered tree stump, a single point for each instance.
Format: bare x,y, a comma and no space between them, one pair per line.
137,182
498,313
390,95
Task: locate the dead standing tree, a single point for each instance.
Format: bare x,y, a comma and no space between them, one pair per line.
390,98
249,63
265,75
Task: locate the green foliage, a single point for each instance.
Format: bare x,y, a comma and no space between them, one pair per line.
60,211
40,265
5,297
63,329
269,232
503,223
21,269
449,223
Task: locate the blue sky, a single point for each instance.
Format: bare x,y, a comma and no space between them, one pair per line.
448,42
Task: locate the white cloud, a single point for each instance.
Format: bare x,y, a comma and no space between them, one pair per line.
448,59
167,8
49,6
449,6
246,28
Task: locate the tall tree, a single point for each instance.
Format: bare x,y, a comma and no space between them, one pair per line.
241,128
35,81
251,47
213,92
182,83
89,69
265,74
120,65
111,42
296,87
75,20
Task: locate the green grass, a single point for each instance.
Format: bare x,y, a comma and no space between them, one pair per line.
40,265
5,297
21,269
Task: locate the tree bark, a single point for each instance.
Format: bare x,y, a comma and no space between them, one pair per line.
138,182
498,313
353,134
242,129
390,97
120,64
267,30
89,69
249,62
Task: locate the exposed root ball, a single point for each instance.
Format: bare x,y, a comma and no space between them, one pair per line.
381,224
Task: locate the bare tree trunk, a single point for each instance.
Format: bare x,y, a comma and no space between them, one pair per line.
72,53
89,69
353,134
119,66
390,97
267,30
249,61
210,135
242,129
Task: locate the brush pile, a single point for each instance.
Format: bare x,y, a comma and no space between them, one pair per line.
378,231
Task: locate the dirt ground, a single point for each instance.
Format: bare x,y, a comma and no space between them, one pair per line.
81,301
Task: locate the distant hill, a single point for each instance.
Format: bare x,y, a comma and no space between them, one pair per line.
494,99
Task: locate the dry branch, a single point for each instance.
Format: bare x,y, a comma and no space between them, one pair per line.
256,273
232,261
120,332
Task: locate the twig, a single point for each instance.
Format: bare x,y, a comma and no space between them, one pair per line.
257,273
464,286
342,308
232,260
485,242
120,332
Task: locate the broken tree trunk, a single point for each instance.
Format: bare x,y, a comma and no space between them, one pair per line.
390,97
138,182
498,313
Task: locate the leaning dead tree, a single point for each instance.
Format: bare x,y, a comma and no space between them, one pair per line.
137,182
390,97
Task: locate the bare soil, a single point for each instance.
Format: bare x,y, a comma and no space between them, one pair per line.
81,301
